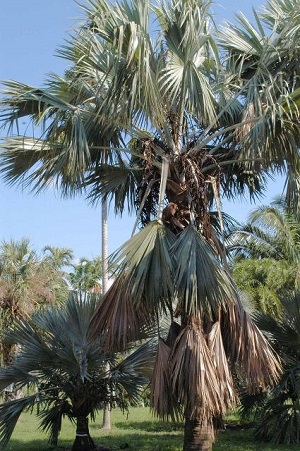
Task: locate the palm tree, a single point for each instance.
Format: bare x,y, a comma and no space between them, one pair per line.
190,128
262,66
59,257
266,255
27,282
86,276
17,263
271,231
65,370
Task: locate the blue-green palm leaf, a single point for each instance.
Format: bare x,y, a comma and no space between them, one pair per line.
146,263
10,414
202,284
59,359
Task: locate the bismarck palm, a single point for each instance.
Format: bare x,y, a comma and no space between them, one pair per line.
150,115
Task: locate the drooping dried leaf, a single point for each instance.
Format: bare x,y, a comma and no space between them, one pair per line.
118,319
162,399
196,382
219,358
249,349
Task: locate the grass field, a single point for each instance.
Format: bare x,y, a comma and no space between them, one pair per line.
139,430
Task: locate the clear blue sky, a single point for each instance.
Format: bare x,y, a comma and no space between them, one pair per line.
30,33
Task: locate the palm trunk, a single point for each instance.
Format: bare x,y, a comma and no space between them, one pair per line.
106,413
198,435
83,441
8,353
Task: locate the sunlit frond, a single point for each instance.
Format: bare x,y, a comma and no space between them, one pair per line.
146,263
201,282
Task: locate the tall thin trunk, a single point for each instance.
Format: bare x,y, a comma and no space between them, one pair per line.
198,435
104,222
83,440
106,413
8,353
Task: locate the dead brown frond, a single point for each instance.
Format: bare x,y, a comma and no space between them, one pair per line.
219,358
162,399
196,382
118,319
249,350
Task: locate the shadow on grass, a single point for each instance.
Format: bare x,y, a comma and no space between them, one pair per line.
243,440
115,441
150,426
37,445
154,440
142,441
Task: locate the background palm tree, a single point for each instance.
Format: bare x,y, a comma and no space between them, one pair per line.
66,372
86,275
189,128
266,255
27,282
59,257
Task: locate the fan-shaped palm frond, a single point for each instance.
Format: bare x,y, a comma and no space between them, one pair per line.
119,317
263,56
118,183
10,414
145,259
202,285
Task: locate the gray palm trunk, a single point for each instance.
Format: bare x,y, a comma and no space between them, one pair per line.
83,441
106,413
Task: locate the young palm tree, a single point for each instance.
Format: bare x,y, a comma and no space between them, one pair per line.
190,128
66,372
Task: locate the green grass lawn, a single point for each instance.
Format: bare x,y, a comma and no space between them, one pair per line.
139,430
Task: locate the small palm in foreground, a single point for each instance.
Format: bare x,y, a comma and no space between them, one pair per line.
66,372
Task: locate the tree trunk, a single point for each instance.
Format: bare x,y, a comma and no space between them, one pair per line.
106,413
104,247
83,441
8,352
198,435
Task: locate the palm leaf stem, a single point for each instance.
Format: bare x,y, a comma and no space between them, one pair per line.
162,189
